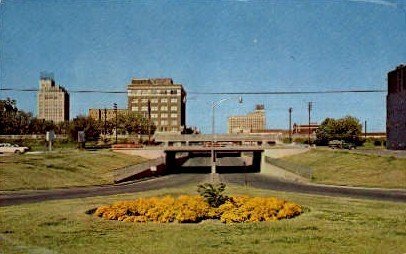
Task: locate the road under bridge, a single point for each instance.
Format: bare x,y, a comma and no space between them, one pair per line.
251,163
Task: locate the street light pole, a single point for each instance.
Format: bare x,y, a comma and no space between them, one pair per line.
213,139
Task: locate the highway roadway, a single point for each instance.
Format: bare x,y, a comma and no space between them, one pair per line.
189,176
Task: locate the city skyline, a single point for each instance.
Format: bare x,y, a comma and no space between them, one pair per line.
212,47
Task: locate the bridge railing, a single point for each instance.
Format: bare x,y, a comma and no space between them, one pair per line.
301,170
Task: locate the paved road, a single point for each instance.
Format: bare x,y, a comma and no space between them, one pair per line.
168,181
262,181
256,180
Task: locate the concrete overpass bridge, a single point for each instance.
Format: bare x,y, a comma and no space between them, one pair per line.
173,161
263,140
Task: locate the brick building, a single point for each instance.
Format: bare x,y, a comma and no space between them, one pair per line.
396,109
253,122
53,100
304,128
108,114
164,100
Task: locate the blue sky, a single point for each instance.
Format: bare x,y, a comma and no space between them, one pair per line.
222,46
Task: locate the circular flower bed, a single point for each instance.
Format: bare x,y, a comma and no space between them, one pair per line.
192,209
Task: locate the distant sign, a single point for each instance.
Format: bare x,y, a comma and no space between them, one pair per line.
153,168
50,136
81,137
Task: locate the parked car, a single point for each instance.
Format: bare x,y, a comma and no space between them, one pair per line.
9,148
340,144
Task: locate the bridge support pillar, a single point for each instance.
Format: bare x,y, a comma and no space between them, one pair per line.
170,160
256,161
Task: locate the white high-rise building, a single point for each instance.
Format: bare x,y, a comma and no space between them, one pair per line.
53,100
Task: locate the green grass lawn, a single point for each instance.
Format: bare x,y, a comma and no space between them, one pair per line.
329,225
63,168
345,168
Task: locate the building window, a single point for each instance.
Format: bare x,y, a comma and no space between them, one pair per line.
164,115
174,108
174,122
134,108
154,108
164,122
174,115
154,100
144,108
174,100
164,100
154,115
144,100
164,108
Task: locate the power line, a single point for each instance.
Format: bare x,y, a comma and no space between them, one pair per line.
218,93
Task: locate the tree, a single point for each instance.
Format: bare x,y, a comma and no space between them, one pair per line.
347,128
15,121
133,123
86,124
62,127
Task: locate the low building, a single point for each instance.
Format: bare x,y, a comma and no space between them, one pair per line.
106,113
379,135
253,122
53,100
305,128
396,109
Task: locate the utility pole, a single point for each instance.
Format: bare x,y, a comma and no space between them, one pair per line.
290,125
115,110
365,129
309,109
149,121
105,123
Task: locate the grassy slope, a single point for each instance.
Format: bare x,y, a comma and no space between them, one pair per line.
329,225
345,168
63,168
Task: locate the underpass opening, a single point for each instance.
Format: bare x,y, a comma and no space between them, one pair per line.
226,163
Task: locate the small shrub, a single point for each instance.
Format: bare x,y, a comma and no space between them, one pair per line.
212,193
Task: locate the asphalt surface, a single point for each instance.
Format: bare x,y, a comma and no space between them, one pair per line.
168,181
188,175
261,181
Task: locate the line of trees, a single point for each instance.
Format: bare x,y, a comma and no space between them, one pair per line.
17,122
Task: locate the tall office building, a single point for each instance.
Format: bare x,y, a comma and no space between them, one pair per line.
160,99
251,123
396,109
53,100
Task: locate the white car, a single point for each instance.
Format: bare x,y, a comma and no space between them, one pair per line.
9,148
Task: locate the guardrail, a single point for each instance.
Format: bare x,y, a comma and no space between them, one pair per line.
290,166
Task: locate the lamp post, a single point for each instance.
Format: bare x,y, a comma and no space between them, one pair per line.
213,137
